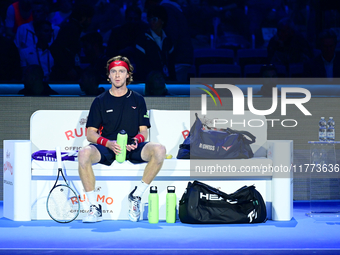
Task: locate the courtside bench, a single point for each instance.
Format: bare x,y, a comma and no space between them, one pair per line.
28,182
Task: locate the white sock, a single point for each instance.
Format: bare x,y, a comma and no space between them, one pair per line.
141,188
92,197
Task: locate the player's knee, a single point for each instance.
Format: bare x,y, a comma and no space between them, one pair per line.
84,155
159,151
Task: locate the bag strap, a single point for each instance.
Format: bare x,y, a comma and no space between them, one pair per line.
244,133
246,190
229,130
205,125
197,122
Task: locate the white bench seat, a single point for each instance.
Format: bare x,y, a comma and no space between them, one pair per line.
66,128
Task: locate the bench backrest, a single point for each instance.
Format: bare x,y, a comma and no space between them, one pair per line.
169,128
66,128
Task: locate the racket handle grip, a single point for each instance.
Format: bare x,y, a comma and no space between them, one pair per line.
57,150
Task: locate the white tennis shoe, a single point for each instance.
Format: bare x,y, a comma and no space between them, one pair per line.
94,215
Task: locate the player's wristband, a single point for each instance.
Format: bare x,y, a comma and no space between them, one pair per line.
140,138
102,141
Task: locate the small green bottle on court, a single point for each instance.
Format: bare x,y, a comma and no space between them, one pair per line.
122,141
171,205
153,208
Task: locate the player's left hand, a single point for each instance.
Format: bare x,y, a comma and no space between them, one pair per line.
133,145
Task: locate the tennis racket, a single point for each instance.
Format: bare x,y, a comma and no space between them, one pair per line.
62,203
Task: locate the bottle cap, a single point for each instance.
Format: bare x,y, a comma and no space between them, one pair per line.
122,132
171,189
153,189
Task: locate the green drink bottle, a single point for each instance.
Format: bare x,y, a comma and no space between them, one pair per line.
171,205
122,141
153,209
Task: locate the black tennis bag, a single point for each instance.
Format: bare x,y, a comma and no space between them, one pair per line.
203,204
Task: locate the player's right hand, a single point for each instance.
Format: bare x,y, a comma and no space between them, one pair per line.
114,146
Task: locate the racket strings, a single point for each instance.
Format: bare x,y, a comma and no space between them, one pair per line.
63,204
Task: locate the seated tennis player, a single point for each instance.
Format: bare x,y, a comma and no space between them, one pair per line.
112,111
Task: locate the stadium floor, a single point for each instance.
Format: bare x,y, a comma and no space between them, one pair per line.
301,235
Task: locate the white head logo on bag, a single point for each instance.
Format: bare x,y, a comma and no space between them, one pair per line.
238,99
210,197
